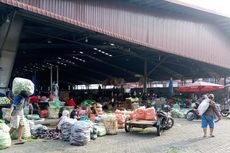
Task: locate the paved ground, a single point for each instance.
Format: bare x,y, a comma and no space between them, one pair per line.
184,137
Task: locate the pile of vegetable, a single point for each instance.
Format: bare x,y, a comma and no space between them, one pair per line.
4,101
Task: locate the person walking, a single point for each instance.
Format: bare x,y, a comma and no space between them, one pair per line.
16,116
208,116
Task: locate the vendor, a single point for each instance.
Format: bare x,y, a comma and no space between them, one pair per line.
16,115
70,102
74,114
64,117
94,109
34,102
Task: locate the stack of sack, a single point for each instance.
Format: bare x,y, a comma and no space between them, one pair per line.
80,133
143,113
5,140
66,129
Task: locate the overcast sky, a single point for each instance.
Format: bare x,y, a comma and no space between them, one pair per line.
220,6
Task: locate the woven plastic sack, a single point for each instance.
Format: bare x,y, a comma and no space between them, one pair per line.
111,124
66,129
5,140
101,130
80,133
53,112
120,118
150,114
203,106
20,84
139,114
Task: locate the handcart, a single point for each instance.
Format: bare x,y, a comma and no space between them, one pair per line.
163,122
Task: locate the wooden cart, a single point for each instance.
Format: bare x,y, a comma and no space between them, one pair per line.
129,124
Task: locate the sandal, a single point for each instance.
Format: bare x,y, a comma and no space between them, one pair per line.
204,136
19,142
212,136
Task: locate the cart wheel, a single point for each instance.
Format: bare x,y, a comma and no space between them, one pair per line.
127,126
159,130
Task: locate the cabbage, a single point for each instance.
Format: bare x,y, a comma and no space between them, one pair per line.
20,84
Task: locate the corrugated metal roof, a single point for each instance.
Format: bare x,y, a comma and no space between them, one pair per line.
169,32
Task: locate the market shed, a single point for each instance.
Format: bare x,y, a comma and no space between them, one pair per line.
90,41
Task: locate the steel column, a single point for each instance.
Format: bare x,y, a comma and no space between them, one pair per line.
145,75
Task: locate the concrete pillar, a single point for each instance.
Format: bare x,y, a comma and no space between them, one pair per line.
9,40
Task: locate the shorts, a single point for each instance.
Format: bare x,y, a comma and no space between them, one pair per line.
207,121
17,121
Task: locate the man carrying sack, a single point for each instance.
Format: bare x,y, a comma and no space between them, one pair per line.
16,116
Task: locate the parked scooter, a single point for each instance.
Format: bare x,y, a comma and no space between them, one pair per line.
167,120
193,113
225,110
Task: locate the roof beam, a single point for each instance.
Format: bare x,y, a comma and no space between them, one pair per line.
156,66
112,65
90,70
171,71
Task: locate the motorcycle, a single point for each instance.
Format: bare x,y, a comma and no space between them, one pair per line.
167,120
193,114
225,111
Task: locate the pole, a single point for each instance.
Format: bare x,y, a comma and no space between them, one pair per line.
57,75
145,76
51,77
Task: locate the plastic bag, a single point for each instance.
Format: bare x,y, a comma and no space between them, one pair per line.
20,84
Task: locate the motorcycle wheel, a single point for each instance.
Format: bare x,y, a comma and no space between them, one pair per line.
170,123
127,126
224,113
190,116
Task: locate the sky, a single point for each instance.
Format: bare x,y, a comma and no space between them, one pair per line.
220,6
